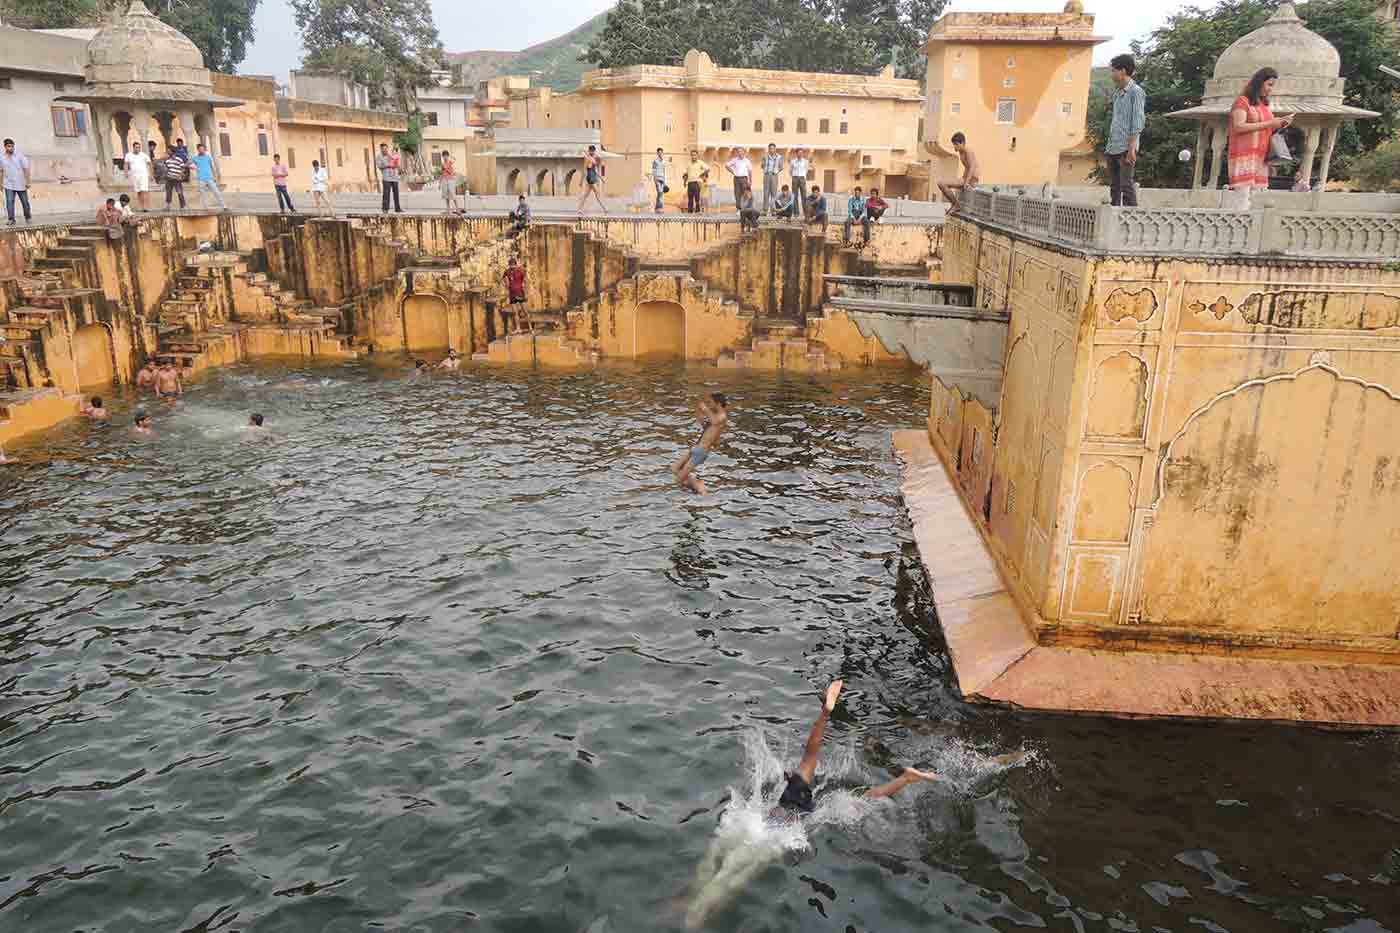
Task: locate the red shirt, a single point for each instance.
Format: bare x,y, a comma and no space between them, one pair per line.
515,279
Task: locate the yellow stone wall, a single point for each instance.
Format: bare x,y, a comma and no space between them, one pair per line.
1187,453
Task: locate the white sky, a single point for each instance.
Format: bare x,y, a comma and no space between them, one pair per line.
477,24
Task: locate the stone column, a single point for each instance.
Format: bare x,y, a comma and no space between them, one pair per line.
101,131
1311,135
1219,135
1201,136
1330,133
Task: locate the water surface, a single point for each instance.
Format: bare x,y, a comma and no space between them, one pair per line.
454,653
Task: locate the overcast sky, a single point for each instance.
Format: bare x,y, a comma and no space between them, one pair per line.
466,25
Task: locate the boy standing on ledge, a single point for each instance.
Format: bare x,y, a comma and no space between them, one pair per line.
714,419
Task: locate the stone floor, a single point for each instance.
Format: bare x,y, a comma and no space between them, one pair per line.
997,659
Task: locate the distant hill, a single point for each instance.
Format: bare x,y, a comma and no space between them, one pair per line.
553,63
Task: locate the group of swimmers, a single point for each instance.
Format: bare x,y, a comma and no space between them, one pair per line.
163,379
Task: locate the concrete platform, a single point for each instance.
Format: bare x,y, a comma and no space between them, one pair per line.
997,659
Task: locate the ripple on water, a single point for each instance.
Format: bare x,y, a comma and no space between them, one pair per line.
454,652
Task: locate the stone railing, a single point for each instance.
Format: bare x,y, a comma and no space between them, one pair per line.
1191,231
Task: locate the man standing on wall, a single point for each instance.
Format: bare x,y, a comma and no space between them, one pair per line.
389,178
139,171
772,168
204,178
696,174
14,169
176,171
279,184
742,169
800,165
970,177
658,178
1124,127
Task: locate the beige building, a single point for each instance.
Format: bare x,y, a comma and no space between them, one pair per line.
861,129
1017,85
491,107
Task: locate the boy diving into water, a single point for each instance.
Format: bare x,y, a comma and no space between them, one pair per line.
714,419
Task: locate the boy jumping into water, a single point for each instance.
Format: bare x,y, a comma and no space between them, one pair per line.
714,418
797,796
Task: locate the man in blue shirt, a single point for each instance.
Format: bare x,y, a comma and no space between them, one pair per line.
658,177
204,178
815,206
785,205
1124,128
855,214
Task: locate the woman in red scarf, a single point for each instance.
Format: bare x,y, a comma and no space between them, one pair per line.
1252,126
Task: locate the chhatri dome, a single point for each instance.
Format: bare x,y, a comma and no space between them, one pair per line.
1075,6
1309,85
136,57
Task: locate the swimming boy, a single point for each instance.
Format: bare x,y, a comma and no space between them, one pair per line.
168,382
146,378
255,420
143,423
714,419
95,410
452,362
797,795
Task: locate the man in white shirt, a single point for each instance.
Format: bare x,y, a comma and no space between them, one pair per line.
742,169
138,169
14,177
320,187
800,165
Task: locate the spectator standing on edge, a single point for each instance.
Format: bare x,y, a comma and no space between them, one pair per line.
742,169
1252,126
772,168
176,171
138,169
320,187
388,178
658,177
279,184
799,164
696,175
855,214
447,182
969,174
1124,127
204,178
785,205
593,173
14,176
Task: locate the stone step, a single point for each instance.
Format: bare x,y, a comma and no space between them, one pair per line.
21,330
18,349
69,252
33,313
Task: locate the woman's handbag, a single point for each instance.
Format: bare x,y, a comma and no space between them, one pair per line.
1278,149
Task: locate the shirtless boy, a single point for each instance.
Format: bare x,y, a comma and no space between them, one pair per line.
797,795
94,410
146,378
255,420
714,419
453,362
143,423
969,175
168,382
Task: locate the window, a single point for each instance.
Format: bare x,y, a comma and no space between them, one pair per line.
866,160
778,125
339,157
262,144
1069,77
921,128
60,86
291,158
432,117
324,163
824,126
758,126
955,108
1006,110
68,121
1008,82
845,127
1010,497
437,160
1066,108
725,125
957,72
1010,61
5,84
223,125
225,145
801,124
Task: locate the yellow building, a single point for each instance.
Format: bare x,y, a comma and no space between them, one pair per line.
1017,85
491,108
860,129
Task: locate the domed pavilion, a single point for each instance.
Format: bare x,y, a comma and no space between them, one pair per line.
1308,86
145,80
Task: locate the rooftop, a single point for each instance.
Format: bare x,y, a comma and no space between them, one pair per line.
1061,28
699,71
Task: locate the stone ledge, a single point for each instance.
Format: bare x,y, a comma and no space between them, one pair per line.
997,660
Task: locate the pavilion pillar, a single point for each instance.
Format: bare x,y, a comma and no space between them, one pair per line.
1218,174
1330,133
1201,136
101,132
1303,181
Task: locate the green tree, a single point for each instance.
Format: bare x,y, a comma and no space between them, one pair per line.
221,29
1177,59
392,46
846,36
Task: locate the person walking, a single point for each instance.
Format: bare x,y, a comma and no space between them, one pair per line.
772,168
139,171
321,187
279,184
388,178
742,169
204,178
696,175
1124,127
14,176
176,171
658,177
447,182
1252,127
593,173
800,165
